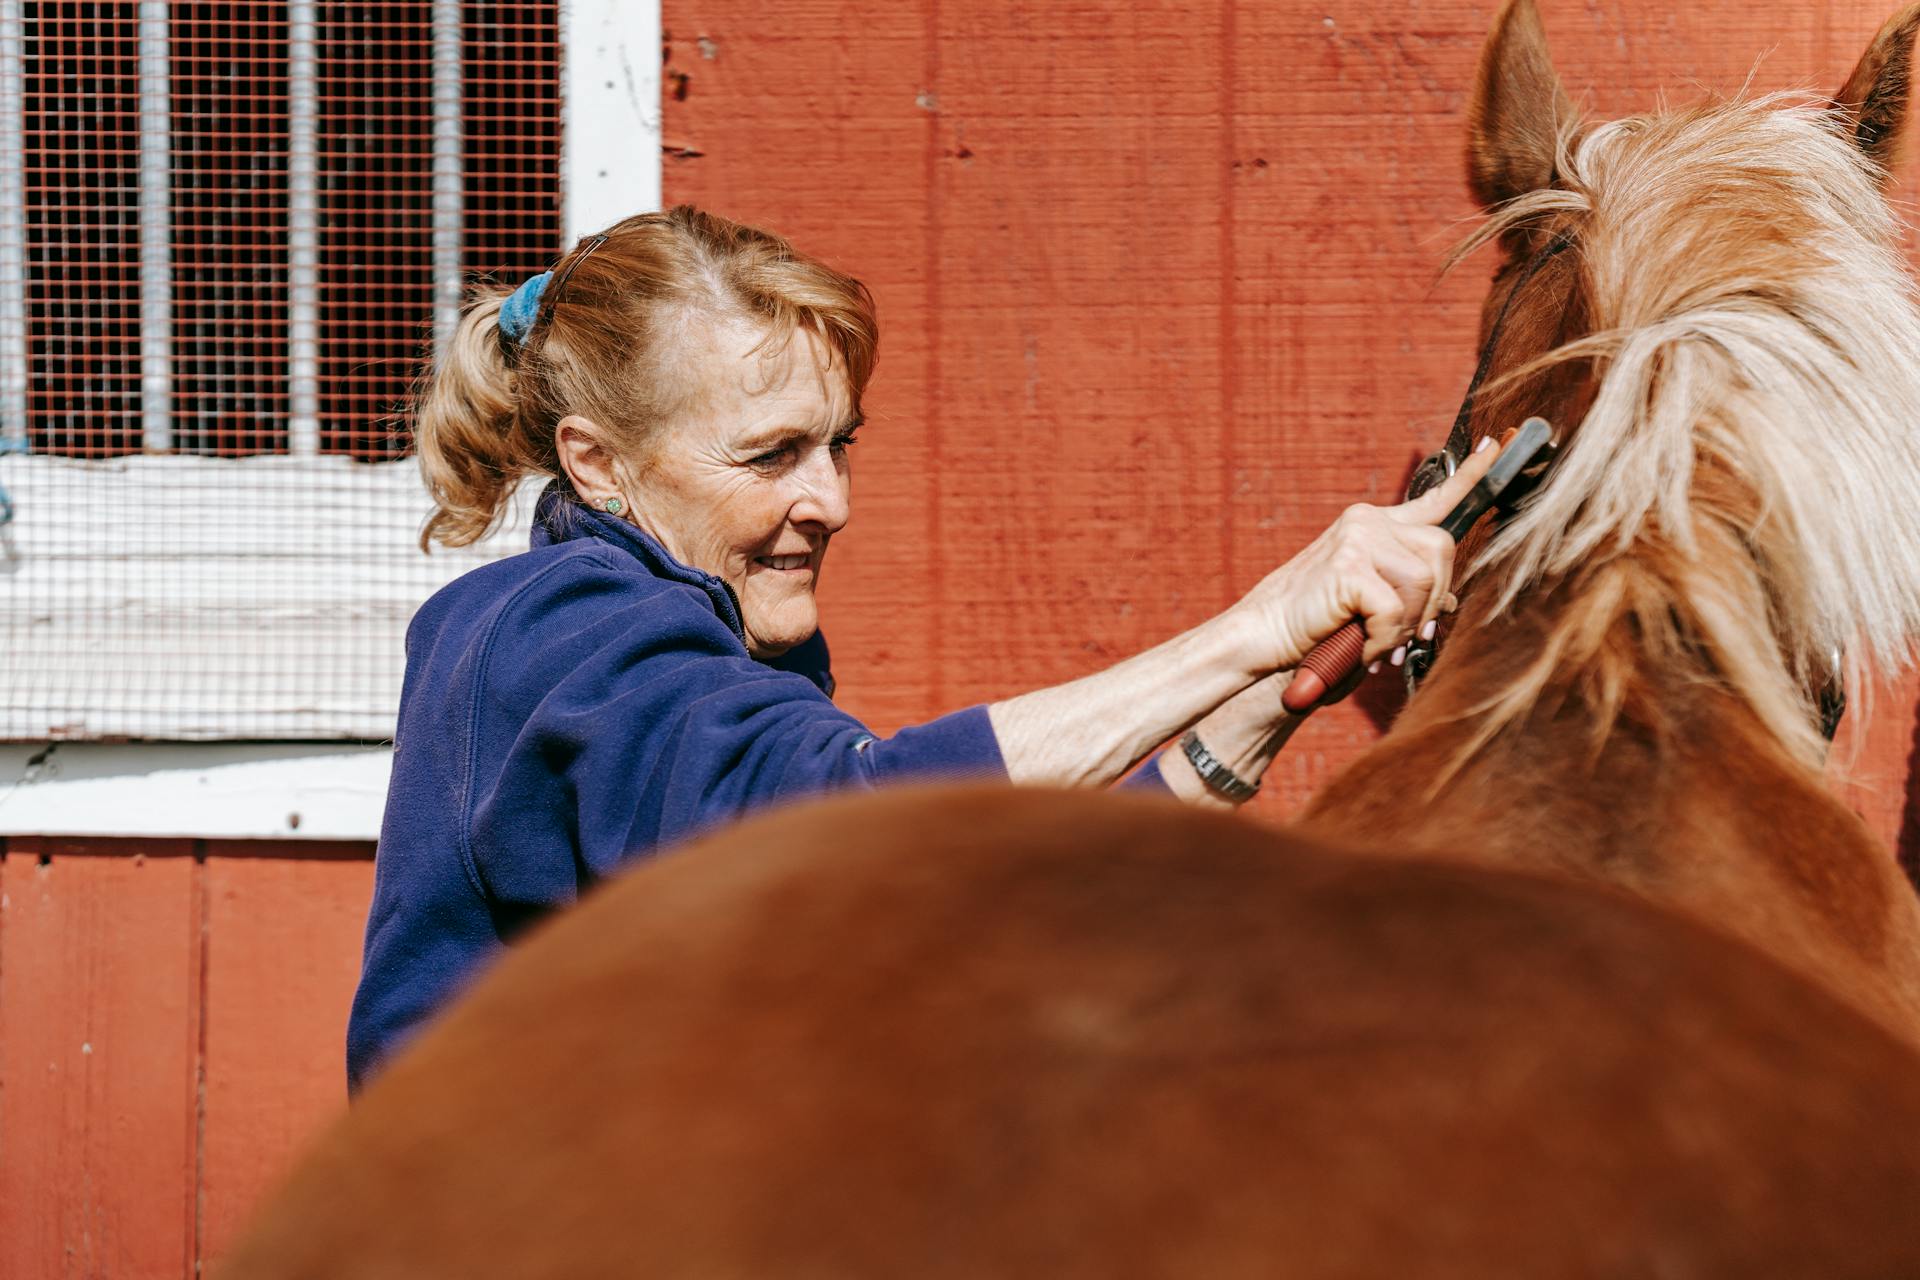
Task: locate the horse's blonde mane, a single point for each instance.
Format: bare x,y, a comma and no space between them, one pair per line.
1742,492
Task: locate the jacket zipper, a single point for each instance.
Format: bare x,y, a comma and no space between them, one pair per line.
737,620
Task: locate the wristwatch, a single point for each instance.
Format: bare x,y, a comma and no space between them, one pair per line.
1220,780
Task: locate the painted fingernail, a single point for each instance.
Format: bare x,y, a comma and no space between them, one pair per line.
1399,655
1485,443
1373,668
1433,625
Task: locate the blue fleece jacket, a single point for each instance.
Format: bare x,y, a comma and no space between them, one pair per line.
570,709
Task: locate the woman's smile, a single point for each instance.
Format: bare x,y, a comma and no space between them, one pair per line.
800,561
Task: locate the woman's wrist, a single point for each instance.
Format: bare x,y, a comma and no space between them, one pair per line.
1248,639
1242,735
1273,622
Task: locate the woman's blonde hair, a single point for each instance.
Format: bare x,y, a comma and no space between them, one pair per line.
606,346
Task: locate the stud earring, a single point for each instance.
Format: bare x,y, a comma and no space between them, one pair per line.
613,506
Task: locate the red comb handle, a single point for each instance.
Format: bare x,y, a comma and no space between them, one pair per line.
1324,667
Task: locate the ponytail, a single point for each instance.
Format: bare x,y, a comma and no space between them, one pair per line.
475,444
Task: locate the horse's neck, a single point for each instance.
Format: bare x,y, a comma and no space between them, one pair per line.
1706,813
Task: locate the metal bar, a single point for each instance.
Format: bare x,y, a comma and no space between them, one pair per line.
303,231
610,169
448,174
156,232
13,230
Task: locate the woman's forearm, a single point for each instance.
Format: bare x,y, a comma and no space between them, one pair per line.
1091,731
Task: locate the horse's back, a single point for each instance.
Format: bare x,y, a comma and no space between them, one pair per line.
1015,1033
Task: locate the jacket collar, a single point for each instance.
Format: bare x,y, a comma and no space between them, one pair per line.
560,517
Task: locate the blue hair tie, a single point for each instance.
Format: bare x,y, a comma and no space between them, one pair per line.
522,308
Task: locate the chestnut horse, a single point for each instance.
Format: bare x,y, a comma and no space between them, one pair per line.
1580,972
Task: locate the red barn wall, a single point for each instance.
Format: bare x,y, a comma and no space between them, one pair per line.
173,1019
1158,295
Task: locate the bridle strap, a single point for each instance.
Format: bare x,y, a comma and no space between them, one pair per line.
1460,439
1437,467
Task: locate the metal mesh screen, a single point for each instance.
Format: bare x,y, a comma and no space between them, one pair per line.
227,189
510,127
236,230
376,226
80,135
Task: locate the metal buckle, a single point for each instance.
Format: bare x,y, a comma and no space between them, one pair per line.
1419,661
1831,699
1437,469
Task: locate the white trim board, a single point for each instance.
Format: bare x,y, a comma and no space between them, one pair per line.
303,792
611,103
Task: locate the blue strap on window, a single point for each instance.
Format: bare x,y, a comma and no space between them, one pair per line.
6,499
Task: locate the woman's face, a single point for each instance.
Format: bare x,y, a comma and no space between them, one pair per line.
751,481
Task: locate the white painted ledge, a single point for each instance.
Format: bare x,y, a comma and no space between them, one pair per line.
216,599
153,792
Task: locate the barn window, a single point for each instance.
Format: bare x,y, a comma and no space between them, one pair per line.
229,233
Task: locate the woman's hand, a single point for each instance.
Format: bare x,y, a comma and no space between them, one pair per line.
1391,567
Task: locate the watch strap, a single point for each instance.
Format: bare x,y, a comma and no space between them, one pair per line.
1219,779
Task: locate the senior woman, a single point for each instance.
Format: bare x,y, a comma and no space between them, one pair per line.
654,664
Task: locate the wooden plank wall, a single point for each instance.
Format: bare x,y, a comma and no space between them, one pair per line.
172,1027
1158,299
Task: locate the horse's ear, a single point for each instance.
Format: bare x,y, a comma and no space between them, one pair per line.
1518,109
1876,94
